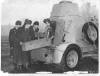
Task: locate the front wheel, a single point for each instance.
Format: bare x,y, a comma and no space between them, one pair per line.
72,57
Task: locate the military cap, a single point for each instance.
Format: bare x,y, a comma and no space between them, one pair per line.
18,22
27,21
36,23
46,20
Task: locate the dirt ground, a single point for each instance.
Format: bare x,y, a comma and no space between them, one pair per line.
87,64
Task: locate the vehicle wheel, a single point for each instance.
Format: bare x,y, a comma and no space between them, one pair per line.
72,57
91,32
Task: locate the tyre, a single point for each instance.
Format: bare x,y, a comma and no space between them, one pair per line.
90,32
72,57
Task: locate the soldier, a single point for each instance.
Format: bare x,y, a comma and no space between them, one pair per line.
14,44
36,29
32,32
24,37
48,28
12,35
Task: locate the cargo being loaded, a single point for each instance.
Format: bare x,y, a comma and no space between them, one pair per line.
35,44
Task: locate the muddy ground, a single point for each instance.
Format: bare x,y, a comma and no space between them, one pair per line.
87,64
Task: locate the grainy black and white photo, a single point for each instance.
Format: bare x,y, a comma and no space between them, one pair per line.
49,36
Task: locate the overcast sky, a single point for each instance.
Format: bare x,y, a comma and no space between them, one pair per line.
20,9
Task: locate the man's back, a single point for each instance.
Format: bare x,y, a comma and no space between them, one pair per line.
32,32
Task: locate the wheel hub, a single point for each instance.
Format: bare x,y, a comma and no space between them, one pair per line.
92,33
72,59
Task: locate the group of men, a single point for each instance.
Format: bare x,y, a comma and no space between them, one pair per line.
23,33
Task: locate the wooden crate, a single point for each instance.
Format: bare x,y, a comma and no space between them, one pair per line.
34,44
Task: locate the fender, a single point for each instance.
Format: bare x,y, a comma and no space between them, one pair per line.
59,51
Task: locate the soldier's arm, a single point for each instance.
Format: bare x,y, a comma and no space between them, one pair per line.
10,39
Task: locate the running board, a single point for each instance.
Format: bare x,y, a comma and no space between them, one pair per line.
94,56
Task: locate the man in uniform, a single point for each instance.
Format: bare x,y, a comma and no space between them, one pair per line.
14,44
49,29
34,31
24,36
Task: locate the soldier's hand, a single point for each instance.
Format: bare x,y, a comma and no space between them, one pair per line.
11,48
52,37
21,43
11,56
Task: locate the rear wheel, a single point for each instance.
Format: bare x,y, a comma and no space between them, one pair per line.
90,32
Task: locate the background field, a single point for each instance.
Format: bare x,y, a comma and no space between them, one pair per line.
5,49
